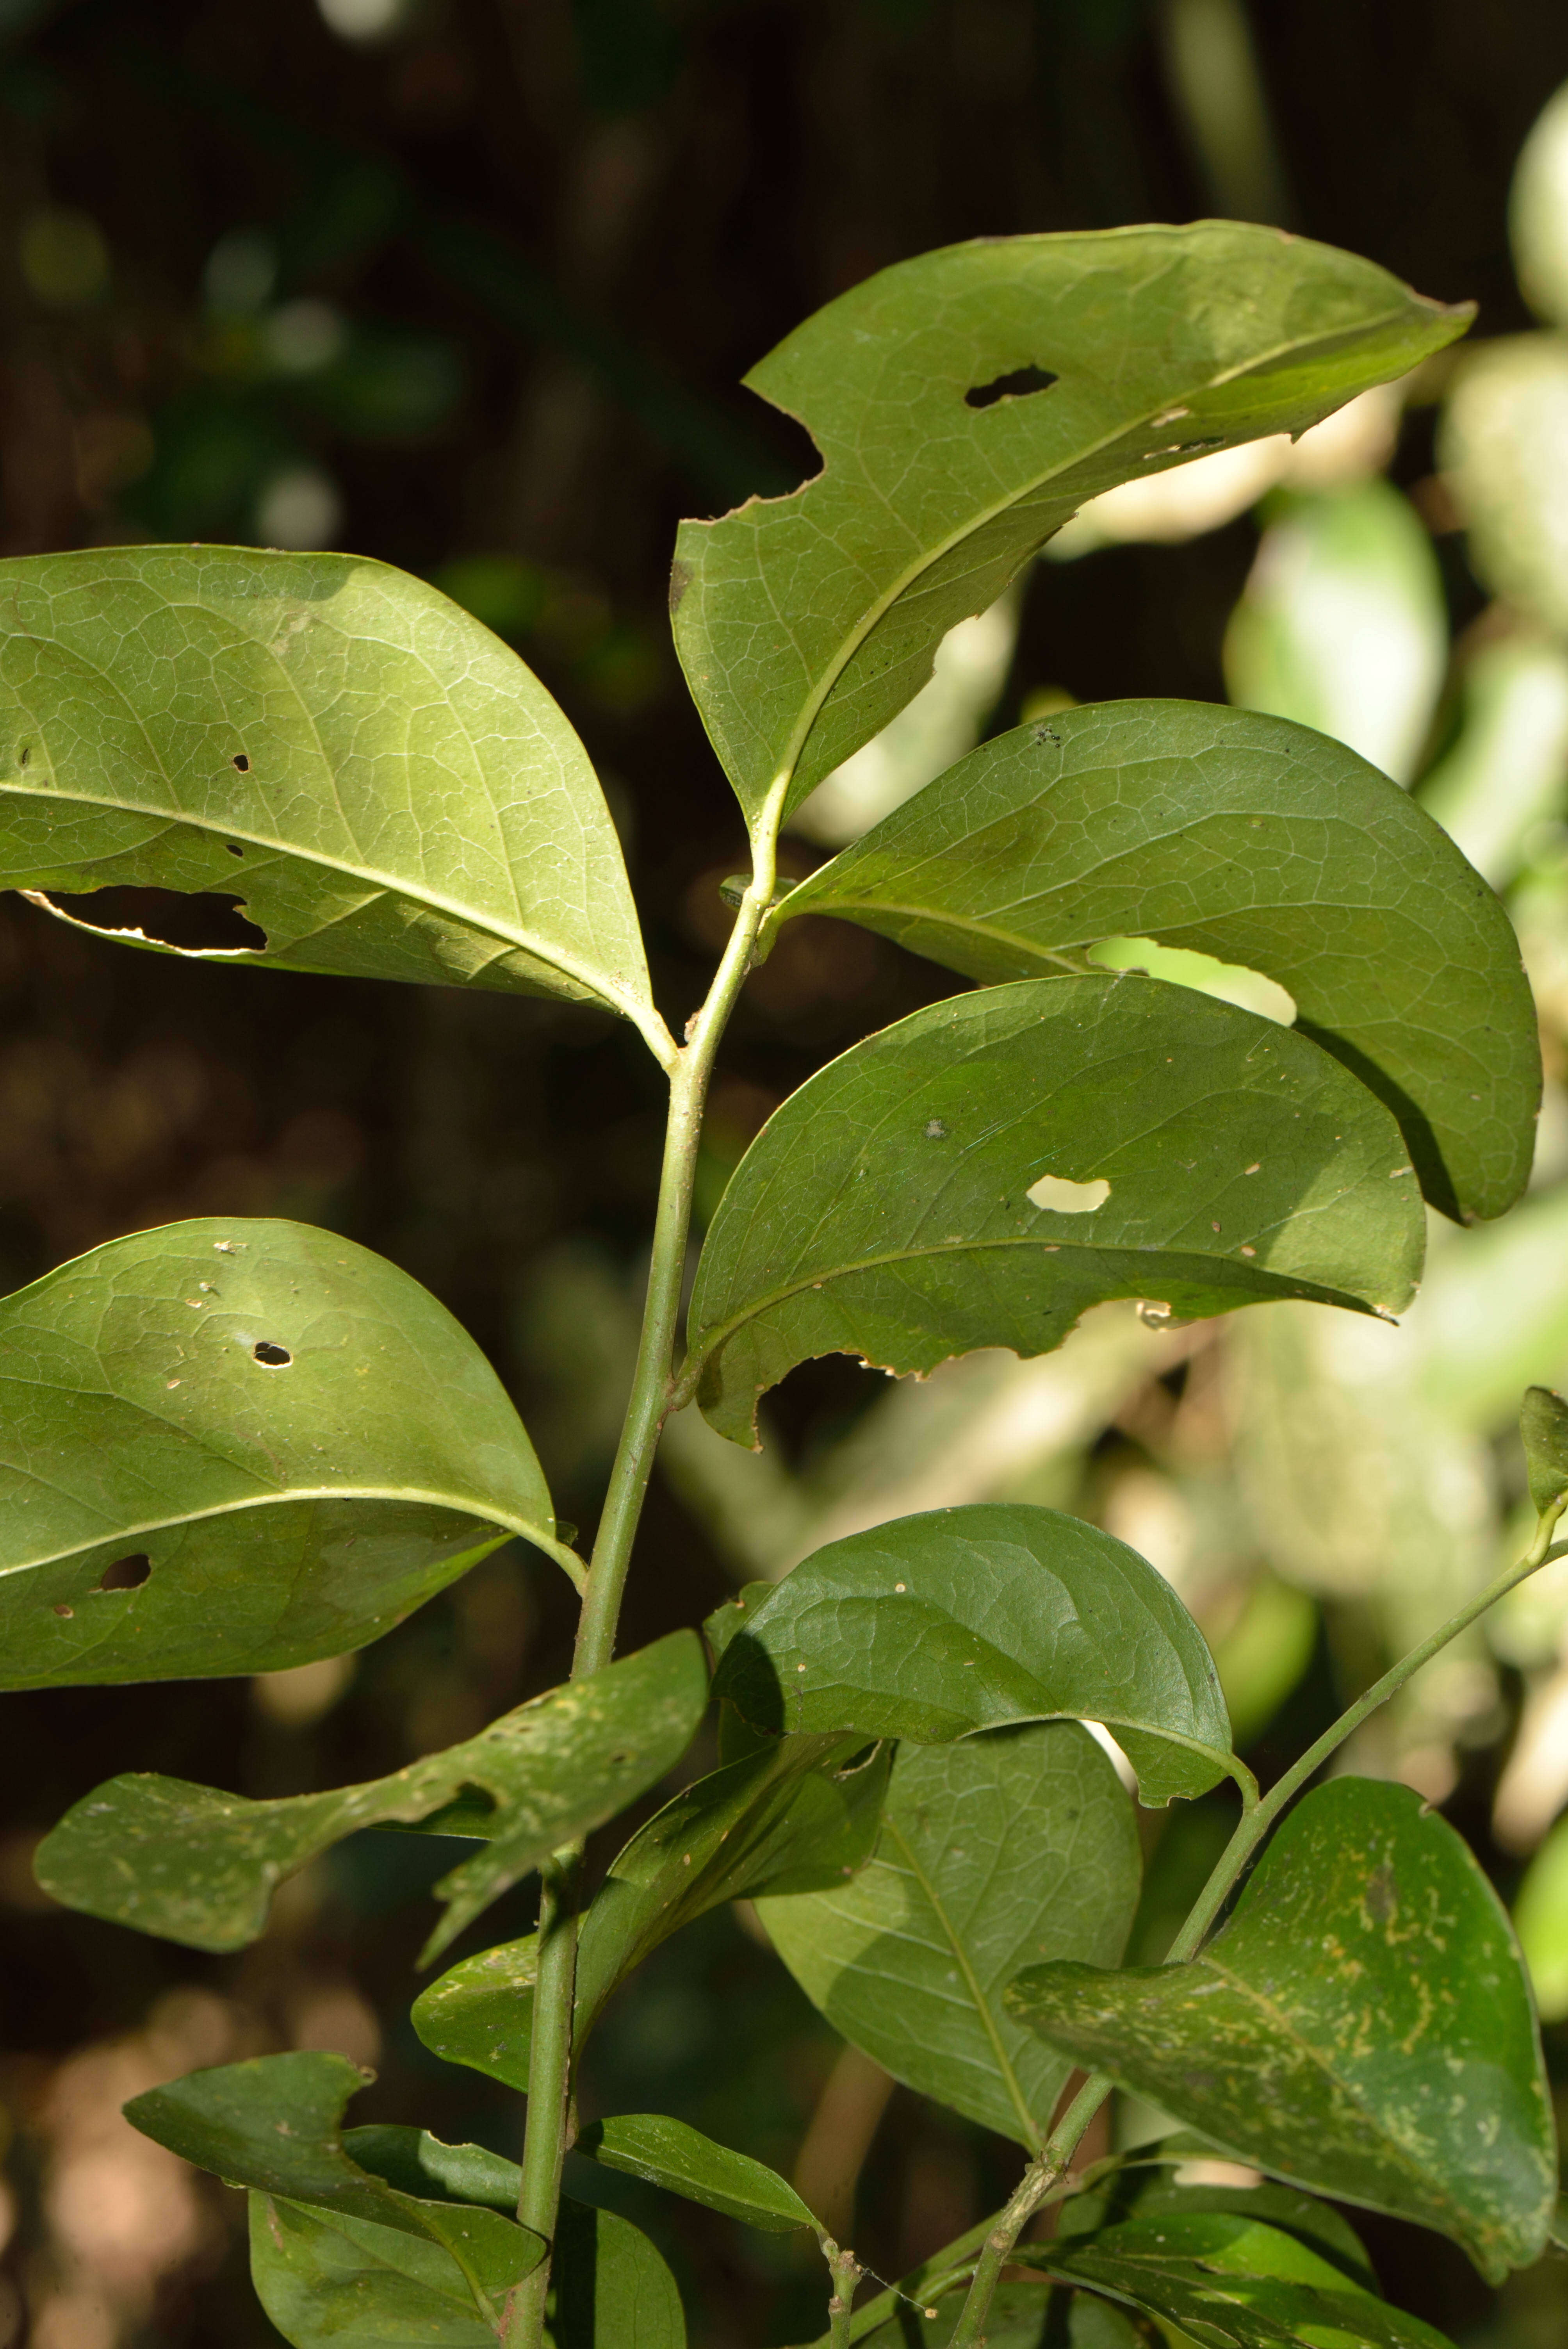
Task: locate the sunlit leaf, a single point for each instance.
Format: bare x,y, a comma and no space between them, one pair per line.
199,1867
1249,839
965,403
981,1173
274,2125
1152,2191
994,1853
1362,2025
231,1447
932,1627
801,1814
674,2155
382,784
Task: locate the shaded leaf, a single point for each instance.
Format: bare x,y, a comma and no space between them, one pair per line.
381,782
1227,833
199,1867
993,1852
672,2153
176,1501
981,1172
799,1814
1544,1427
932,1627
274,2125
611,2288
1022,2316
331,2281
965,403
1361,2026
1231,2283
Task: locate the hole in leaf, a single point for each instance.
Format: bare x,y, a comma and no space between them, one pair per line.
199,919
1064,1198
1017,385
274,1358
240,762
233,848
125,1573
1249,990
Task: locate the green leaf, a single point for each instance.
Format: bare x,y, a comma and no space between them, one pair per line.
382,784
612,2290
275,2126
331,2281
1543,1426
671,2154
415,2162
1149,2192
177,1501
1225,2280
1190,1154
1218,831
1001,1849
935,1626
1362,2025
199,1867
966,404
801,1813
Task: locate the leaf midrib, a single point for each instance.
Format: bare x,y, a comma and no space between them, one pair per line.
1010,2078
406,1495
818,700
520,939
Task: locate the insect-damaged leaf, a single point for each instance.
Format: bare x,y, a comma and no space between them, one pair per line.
231,1447
380,781
935,1626
1362,2025
992,1853
674,2155
966,404
1231,2282
275,2126
1244,837
1544,1428
199,1867
799,1814
985,1170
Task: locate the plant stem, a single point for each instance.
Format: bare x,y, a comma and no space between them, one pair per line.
1257,1821
1033,2188
845,2270
550,2057
1043,2173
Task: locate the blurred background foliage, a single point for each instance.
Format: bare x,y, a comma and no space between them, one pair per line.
468,285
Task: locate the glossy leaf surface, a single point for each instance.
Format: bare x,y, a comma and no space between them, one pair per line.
1192,1155
274,2125
674,2155
932,1627
1227,2279
1361,2026
199,1867
382,784
966,404
993,1853
799,1814
1250,839
234,1446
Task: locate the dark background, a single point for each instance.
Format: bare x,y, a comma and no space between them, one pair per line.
551,239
